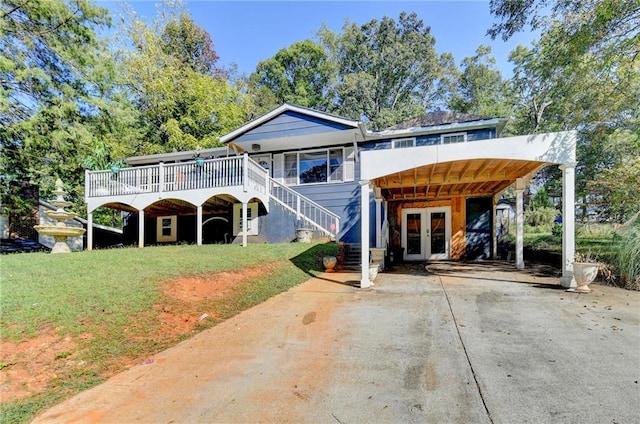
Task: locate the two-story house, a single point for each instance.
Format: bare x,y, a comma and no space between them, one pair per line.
427,188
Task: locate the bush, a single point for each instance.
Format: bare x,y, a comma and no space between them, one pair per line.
556,230
540,216
626,257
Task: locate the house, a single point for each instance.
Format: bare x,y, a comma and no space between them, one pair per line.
426,188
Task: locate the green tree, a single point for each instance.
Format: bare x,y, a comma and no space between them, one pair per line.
387,71
299,74
52,79
184,101
481,89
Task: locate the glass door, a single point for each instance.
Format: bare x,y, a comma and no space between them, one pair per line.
414,225
438,233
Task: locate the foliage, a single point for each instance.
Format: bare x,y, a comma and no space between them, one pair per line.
626,258
184,101
84,293
481,89
54,95
387,71
299,74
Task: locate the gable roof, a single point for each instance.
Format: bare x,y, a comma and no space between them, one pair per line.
286,107
440,117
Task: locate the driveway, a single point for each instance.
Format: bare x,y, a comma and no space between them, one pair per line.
454,343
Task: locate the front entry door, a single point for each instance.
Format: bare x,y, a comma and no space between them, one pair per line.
426,233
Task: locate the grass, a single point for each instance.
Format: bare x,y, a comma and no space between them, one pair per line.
110,293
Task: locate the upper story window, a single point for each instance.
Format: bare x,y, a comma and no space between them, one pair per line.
315,166
403,143
453,138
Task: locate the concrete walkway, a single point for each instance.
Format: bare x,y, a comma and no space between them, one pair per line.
456,343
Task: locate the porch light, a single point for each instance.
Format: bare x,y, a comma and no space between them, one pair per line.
255,147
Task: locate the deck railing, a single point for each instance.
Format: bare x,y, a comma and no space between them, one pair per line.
306,210
206,174
193,175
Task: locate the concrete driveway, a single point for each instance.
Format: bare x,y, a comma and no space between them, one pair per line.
457,343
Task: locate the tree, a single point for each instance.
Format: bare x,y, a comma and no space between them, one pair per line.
52,69
481,89
184,101
299,74
387,71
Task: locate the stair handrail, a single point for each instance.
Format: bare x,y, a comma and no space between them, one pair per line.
303,204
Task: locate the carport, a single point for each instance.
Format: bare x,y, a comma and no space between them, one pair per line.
431,187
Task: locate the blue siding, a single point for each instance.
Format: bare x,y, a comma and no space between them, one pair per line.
290,124
430,139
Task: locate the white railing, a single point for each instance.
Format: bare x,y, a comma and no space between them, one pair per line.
193,175
319,217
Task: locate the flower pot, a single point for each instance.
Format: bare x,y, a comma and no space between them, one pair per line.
329,263
584,273
377,256
304,235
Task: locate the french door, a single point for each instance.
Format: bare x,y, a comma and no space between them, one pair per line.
426,233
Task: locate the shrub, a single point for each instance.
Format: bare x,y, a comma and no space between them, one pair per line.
540,216
626,257
556,230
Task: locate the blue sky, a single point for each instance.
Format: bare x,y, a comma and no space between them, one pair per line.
246,32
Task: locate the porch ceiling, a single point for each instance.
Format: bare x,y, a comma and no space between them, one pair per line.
475,177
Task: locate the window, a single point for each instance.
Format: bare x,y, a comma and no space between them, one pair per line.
252,219
166,231
316,166
403,143
454,138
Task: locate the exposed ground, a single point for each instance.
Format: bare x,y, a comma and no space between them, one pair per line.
30,366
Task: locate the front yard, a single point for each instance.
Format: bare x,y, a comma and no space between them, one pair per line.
69,322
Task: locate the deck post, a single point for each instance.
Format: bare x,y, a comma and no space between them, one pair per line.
245,172
379,223
520,223
199,224
364,235
568,223
244,224
141,228
161,178
90,231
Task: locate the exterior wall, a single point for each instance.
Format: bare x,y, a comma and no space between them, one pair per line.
431,139
458,222
289,124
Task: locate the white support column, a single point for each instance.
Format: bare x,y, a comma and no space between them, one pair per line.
141,228
199,224
90,231
364,234
494,231
520,223
378,223
568,223
244,224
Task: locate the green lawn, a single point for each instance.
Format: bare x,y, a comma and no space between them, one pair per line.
110,293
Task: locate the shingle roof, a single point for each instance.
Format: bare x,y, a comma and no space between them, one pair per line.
440,117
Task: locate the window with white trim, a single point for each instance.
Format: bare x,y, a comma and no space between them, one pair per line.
403,143
167,229
252,219
315,166
453,138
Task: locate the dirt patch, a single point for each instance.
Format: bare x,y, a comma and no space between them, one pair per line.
31,366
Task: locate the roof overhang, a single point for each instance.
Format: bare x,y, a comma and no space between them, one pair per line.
484,167
214,152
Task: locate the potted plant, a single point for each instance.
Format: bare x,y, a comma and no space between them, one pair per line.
585,270
329,263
